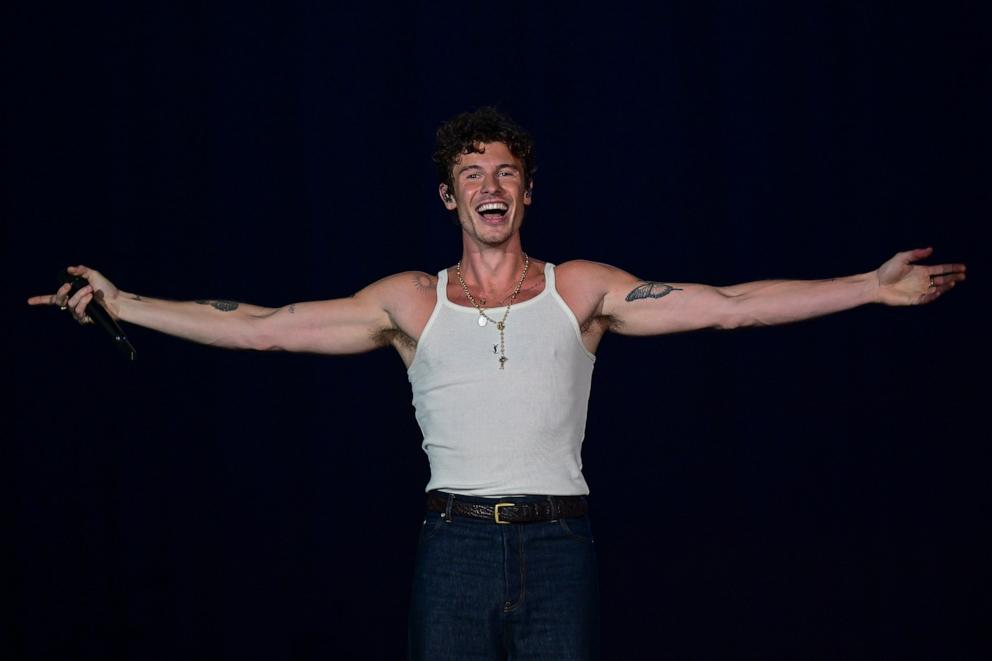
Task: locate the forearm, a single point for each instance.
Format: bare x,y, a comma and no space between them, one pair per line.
225,324
768,302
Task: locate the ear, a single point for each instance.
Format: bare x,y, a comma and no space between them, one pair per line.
529,194
447,197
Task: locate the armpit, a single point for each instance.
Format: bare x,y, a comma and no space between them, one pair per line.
394,337
599,324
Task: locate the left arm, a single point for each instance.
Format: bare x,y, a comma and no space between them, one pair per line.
638,307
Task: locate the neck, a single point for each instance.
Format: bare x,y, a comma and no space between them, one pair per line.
492,267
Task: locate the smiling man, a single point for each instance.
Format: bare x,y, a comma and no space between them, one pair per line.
500,350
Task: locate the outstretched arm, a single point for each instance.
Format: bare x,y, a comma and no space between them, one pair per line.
347,325
638,307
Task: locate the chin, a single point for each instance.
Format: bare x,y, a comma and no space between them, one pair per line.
495,236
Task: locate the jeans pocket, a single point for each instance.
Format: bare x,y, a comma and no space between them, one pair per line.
578,529
431,526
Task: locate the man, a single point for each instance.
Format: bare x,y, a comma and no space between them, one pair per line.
500,350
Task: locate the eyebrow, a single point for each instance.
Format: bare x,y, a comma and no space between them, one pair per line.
501,166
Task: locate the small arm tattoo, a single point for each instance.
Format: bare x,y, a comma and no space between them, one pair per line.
136,297
292,309
651,290
423,283
223,306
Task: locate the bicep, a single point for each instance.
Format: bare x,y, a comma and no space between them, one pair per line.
339,326
651,307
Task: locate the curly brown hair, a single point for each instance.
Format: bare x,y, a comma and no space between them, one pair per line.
464,134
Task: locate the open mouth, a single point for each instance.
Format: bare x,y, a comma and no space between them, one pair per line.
493,212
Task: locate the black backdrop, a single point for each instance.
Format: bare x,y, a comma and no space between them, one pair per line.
816,491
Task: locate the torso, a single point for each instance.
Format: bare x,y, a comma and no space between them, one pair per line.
410,315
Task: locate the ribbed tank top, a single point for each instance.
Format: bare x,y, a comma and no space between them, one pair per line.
515,431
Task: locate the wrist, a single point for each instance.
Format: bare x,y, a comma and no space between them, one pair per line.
872,290
122,304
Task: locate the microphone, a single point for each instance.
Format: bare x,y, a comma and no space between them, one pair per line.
99,315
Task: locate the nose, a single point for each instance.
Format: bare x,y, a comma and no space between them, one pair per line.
491,183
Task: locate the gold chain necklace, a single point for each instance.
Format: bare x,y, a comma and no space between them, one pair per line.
483,317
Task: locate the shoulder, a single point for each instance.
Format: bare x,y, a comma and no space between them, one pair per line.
589,275
397,290
413,280
403,294
402,283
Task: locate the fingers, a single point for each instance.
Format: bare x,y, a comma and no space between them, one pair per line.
946,278
79,269
946,269
910,256
59,298
76,304
79,295
79,302
942,277
930,297
937,290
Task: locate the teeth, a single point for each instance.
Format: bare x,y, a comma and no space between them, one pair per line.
492,206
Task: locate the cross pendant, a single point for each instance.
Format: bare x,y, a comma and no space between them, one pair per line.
502,361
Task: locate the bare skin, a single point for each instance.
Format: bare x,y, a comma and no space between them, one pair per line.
394,311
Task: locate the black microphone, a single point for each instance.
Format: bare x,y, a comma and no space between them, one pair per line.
99,314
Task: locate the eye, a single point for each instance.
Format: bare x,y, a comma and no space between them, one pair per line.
507,173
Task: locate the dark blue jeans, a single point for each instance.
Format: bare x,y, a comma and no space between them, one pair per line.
521,591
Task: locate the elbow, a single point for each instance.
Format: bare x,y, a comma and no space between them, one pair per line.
729,313
740,320
269,342
263,334
731,322
237,343
257,338
737,313
263,342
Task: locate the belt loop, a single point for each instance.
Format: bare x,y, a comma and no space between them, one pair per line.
554,508
447,508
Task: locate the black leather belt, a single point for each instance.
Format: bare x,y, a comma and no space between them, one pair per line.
555,507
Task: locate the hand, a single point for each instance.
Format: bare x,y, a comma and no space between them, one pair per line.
901,282
98,287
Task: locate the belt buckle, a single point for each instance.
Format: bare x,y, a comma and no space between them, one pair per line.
496,513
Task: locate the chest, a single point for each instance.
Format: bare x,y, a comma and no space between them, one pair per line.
413,318
537,340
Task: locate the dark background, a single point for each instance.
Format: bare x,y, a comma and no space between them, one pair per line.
817,491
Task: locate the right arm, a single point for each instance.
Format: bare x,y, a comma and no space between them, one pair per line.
340,326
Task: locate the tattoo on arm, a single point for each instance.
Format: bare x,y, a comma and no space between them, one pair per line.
423,283
136,297
292,309
651,290
223,306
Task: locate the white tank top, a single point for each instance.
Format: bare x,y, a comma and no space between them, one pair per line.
515,431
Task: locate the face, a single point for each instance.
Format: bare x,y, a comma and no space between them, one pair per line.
489,194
